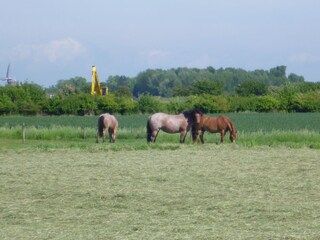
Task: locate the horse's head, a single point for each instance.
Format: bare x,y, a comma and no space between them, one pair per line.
233,136
197,117
193,116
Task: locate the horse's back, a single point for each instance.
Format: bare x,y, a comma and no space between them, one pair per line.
110,120
156,120
214,124
208,123
166,122
224,120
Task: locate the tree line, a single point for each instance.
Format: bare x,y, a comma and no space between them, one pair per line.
172,91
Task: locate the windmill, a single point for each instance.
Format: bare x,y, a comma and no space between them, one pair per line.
10,81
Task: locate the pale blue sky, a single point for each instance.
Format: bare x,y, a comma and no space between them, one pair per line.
46,41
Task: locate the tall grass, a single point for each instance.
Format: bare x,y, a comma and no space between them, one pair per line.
244,122
277,138
126,121
273,129
136,138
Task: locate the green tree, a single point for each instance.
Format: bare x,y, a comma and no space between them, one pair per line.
36,92
147,83
279,71
71,86
294,78
123,91
181,91
6,105
207,87
251,88
114,83
278,76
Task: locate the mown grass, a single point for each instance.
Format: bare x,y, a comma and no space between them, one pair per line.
60,184
194,192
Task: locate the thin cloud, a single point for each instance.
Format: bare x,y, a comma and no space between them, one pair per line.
304,58
157,54
54,51
154,58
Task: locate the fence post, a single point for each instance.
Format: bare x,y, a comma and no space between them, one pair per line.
23,133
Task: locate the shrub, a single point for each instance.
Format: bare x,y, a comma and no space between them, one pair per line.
28,108
309,102
108,103
266,104
177,105
243,104
127,105
221,104
150,104
204,102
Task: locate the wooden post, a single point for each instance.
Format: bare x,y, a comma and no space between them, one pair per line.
23,133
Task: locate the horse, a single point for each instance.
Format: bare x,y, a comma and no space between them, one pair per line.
179,123
107,122
221,124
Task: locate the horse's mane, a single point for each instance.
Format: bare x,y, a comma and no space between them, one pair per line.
192,112
231,127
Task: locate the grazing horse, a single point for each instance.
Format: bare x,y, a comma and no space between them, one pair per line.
221,124
107,122
180,123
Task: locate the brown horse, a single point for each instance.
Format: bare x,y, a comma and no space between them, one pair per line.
180,123
221,124
107,122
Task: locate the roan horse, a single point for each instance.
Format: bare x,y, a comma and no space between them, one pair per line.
180,123
107,122
221,124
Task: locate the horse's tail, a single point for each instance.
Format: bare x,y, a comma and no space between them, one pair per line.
149,131
100,125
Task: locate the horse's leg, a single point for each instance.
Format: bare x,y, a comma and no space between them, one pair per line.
201,136
154,135
183,136
195,136
110,134
114,134
104,134
222,136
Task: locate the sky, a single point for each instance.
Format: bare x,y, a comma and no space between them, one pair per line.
47,41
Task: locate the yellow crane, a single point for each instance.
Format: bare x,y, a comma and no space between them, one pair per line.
95,84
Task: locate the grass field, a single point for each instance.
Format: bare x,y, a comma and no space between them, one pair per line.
293,130
60,184
193,192
244,122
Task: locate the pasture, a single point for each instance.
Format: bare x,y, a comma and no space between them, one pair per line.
60,184
294,130
193,192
